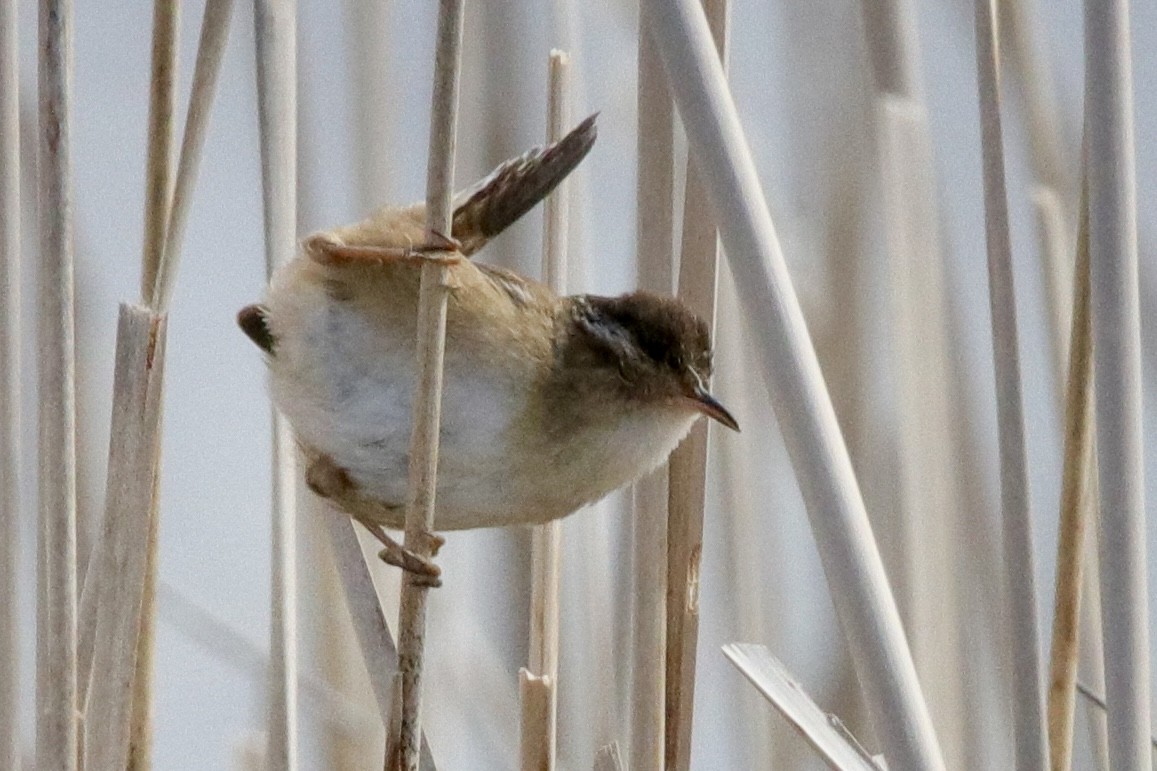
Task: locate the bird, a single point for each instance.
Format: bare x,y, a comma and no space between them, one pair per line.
549,402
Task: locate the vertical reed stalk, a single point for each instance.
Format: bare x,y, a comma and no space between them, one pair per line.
922,561
276,37
655,255
158,201
121,562
56,685
783,351
9,387
210,52
687,468
539,680
159,155
117,608
1117,372
431,347
1074,515
1019,564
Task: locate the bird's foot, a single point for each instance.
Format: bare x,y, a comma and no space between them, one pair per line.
422,571
327,249
330,481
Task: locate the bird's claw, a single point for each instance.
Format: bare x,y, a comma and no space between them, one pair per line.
421,570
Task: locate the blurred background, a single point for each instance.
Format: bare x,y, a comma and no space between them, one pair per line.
888,333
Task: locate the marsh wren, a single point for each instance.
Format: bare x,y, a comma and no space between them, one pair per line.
549,402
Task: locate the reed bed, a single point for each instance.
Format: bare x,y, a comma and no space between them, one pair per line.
847,550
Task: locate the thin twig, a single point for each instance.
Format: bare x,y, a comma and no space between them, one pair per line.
687,468
1117,365
120,564
210,52
158,201
159,156
56,686
1074,517
655,250
431,345
784,353
538,683
10,514
1019,570
276,38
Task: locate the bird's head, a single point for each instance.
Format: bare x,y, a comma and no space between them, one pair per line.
647,348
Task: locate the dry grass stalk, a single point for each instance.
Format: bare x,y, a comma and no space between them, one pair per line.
1054,239
431,345
930,509
160,266
539,682
369,622
824,732
539,711
210,51
276,39
1019,571
1074,518
159,154
893,45
121,561
9,387
56,684
784,353
1117,372
687,468
158,184
655,255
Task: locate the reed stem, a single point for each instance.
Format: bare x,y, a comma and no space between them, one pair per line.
687,468
56,682
10,498
1019,563
276,39
539,681
431,347
1117,373
783,351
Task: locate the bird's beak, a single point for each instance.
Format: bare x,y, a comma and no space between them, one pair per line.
709,406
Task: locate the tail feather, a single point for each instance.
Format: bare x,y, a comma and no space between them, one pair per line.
253,322
514,188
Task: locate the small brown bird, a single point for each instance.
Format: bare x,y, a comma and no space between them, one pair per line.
549,402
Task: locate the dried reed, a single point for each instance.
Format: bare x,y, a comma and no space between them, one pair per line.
432,296
655,257
10,502
1019,562
56,682
851,560
1117,372
276,36
539,680
687,469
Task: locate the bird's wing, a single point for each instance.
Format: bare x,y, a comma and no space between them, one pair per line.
396,236
522,291
497,201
